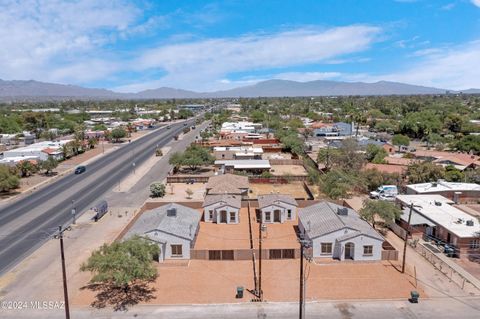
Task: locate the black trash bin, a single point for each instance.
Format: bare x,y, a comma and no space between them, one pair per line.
414,295
239,292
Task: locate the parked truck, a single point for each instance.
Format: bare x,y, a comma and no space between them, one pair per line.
385,192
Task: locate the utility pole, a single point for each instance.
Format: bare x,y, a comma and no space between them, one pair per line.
303,244
406,235
260,292
300,310
64,273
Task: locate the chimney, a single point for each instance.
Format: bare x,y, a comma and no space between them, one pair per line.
172,212
342,211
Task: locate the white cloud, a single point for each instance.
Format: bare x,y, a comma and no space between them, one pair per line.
200,64
453,68
476,3
43,39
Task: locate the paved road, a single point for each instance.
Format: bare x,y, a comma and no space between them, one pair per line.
28,222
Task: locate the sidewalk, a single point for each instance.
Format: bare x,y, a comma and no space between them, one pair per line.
434,282
346,309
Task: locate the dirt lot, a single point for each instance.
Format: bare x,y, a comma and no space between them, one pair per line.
278,236
176,192
294,189
200,282
295,170
267,156
225,236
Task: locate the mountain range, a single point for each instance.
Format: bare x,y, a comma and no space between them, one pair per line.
34,90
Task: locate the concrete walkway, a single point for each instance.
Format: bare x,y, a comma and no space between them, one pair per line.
453,265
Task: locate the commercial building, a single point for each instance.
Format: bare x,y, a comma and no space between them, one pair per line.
41,151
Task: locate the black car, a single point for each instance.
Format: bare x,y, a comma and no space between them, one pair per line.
80,169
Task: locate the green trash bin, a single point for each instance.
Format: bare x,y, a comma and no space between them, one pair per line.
239,292
414,295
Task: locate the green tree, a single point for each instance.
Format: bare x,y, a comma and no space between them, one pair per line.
157,190
49,165
338,183
92,142
123,264
373,178
454,123
469,143
118,133
348,156
379,209
26,168
375,154
400,140
424,172
66,150
193,157
452,174
8,180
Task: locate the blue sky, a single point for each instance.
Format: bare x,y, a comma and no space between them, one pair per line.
130,46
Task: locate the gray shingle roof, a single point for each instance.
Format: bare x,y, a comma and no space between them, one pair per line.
269,199
184,224
227,183
231,200
323,218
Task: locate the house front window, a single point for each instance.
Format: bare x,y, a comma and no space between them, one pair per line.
267,216
210,214
289,214
176,250
326,248
475,244
368,250
232,217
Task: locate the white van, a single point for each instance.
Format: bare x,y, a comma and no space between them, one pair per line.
385,192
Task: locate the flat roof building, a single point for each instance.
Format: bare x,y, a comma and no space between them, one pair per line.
435,216
458,192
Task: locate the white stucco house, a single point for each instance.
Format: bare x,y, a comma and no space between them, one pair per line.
338,232
277,208
222,209
173,227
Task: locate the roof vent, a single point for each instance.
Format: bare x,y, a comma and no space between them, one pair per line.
342,211
172,212
469,222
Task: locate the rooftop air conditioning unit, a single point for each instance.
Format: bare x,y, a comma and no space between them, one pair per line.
469,222
172,212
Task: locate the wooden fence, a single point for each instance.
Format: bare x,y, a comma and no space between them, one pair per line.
244,254
187,178
286,162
